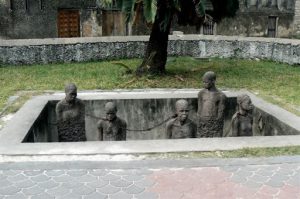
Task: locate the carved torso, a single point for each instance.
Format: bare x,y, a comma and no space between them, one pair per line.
112,131
175,130
242,125
211,105
71,121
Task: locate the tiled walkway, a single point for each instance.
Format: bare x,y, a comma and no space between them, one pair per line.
171,180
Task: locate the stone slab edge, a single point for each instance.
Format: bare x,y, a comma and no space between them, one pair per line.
14,132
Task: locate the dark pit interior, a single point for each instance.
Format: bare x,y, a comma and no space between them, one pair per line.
144,113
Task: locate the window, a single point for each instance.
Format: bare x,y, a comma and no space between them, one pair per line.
11,6
26,4
42,4
272,26
208,28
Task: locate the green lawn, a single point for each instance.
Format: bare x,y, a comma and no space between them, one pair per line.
278,83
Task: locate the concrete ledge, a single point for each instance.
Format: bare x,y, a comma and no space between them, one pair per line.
14,132
66,50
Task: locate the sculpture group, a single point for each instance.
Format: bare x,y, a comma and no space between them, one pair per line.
70,113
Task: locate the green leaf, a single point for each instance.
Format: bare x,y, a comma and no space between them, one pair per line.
150,8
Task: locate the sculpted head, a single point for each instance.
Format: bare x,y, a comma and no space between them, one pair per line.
111,111
71,92
244,102
182,109
209,79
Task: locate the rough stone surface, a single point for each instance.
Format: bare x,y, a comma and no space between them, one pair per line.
231,178
67,50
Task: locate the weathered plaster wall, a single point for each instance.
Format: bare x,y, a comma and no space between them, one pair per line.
40,21
104,48
145,113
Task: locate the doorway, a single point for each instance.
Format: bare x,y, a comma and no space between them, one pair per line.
68,23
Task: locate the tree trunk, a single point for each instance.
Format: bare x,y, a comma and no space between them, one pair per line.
155,58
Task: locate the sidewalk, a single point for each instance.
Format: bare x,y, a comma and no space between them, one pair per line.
277,177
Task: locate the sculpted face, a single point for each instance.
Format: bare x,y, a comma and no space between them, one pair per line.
208,83
182,110
246,104
209,79
71,94
111,111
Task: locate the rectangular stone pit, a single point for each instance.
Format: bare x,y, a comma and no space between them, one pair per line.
33,128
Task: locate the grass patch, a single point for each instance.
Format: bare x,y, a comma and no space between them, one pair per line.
278,83
242,153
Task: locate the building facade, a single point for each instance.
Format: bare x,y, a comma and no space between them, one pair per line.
24,19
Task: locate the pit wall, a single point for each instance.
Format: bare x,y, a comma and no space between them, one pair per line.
43,51
145,113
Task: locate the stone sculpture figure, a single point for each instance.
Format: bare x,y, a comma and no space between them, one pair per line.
70,114
211,105
112,128
242,120
181,126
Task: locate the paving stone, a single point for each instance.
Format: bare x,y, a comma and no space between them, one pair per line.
238,179
70,196
274,183
25,184
278,177
96,195
35,190
40,178
54,173
48,184
58,191
5,183
133,189
63,178
43,196
87,178
83,190
259,178
33,172
16,196
253,184
294,180
11,172
108,189
3,177
98,172
110,177
72,185
230,168
242,173
250,168
97,184
265,172
76,173
17,178
121,195
121,183
282,171
145,183
133,177
146,195
10,190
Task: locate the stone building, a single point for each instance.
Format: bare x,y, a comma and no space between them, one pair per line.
269,18
22,19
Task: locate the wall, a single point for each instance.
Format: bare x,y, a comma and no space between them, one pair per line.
40,21
146,113
18,52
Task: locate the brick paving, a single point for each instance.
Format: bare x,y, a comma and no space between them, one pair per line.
280,180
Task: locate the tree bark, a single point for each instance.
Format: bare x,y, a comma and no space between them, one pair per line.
155,58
